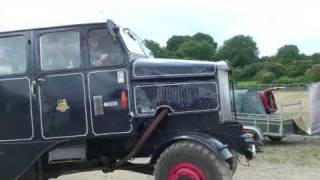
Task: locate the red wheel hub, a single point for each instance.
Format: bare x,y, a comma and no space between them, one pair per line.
186,171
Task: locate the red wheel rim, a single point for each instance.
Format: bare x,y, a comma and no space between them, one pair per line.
186,171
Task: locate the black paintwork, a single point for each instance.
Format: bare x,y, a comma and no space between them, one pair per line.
113,119
16,157
188,88
174,68
72,122
15,110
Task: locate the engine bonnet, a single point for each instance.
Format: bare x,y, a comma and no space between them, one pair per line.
158,68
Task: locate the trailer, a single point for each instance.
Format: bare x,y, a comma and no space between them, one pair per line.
275,123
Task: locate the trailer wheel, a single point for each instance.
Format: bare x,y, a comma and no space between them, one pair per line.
275,139
190,161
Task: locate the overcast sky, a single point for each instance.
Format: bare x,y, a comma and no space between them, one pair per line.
272,23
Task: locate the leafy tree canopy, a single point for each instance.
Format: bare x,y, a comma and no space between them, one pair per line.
156,49
240,50
288,52
205,38
174,42
314,72
316,56
195,50
287,66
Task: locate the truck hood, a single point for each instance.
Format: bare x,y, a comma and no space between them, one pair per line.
143,68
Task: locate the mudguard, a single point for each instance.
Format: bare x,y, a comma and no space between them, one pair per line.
255,129
213,144
17,158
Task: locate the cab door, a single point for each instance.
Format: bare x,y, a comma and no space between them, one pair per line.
61,84
108,84
16,115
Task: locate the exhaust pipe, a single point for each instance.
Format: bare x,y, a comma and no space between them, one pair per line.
145,136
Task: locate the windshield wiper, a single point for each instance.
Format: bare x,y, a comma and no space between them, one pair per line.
127,30
136,38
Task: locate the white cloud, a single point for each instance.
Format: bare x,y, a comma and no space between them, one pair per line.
272,23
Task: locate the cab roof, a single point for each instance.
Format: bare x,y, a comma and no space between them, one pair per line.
51,27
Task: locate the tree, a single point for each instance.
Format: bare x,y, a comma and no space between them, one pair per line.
240,50
199,46
314,72
288,52
205,38
174,42
298,68
195,50
266,78
247,72
276,68
156,49
315,56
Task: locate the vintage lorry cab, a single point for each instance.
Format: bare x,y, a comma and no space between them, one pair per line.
91,97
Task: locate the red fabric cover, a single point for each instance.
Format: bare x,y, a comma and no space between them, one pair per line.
268,101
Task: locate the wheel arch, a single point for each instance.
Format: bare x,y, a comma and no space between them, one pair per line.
209,141
256,130
36,158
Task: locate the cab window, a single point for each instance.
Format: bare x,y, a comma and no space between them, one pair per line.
103,50
13,58
60,50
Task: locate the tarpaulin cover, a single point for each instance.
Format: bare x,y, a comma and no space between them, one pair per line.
315,108
248,101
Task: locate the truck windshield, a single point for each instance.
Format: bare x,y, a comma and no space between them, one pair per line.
134,43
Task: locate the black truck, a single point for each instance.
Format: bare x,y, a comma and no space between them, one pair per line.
92,97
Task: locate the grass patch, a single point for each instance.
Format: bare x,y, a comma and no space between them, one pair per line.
247,82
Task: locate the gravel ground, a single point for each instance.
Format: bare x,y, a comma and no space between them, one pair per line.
295,158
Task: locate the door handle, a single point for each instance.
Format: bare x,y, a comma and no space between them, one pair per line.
33,88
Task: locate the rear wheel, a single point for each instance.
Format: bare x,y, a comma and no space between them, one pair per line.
233,162
190,161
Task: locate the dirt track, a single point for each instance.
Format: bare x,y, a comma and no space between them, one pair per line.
295,158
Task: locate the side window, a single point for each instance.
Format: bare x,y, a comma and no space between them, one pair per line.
13,56
103,50
60,50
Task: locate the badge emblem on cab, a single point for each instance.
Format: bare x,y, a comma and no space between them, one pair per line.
62,105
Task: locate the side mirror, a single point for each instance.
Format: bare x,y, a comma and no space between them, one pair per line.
113,29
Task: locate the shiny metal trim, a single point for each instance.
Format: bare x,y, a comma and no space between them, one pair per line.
173,112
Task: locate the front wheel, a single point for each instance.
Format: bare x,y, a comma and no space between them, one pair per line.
190,161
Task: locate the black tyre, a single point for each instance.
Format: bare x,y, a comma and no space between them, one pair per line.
190,161
275,139
233,162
